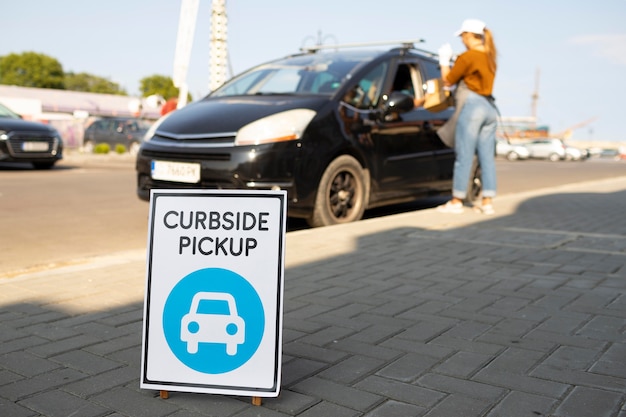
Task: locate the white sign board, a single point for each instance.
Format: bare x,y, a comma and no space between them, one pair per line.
214,292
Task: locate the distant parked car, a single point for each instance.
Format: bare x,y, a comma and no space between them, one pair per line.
547,148
574,154
26,141
511,151
116,131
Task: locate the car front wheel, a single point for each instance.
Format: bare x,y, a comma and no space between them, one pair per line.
554,157
341,194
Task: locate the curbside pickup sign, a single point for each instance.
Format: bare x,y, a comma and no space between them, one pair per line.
214,292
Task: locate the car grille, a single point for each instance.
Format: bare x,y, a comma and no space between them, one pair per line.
191,148
192,155
18,140
199,140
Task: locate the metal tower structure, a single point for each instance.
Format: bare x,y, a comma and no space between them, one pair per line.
218,59
184,42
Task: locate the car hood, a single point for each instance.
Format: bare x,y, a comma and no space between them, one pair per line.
229,114
24,125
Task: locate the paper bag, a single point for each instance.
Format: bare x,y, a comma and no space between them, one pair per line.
438,98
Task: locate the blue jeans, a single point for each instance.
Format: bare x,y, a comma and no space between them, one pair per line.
475,134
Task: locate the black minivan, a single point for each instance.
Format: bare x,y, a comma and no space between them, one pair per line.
337,129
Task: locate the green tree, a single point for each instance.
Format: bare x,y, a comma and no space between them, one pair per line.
161,85
31,69
92,84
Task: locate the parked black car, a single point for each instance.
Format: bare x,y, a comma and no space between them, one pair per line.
115,131
338,130
27,141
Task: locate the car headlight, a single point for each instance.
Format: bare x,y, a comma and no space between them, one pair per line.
280,127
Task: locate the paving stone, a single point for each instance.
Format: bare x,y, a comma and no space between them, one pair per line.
290,402
396,409
102,382
612,362
457,405
401,391
86,362
339,394
12,409
352,369
467,388
408,367
134,403
583,402
64,345
463,364
328,409
57,403
521,404
40,383
21,343
205,404
26,364
299,368
358,347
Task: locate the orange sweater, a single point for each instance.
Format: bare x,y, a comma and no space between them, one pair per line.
473,67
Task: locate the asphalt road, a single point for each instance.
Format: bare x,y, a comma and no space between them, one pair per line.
86,206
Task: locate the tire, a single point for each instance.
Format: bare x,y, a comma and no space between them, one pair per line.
554,157
475,185
43,165
88,146
512,156
341,194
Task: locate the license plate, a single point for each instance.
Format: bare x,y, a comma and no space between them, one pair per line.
35,146
176,171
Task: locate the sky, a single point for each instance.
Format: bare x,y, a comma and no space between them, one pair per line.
572,53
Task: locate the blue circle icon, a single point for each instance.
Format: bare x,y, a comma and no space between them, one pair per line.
213,320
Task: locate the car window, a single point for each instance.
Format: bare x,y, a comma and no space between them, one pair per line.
306,74
408,80
6,112
366,93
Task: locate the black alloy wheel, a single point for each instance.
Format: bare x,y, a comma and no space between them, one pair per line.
341,193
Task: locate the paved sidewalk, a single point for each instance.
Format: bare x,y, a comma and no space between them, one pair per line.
419,314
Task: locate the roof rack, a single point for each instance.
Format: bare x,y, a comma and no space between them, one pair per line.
405,44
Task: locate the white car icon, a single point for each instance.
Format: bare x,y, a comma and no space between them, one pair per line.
213,318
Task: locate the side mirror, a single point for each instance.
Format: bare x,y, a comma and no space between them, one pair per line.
398,103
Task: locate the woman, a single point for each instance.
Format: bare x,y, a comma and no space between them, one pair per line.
477,118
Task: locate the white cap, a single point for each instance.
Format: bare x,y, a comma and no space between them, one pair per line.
472,26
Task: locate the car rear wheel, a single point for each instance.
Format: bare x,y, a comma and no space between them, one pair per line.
512,156
341,193
554,157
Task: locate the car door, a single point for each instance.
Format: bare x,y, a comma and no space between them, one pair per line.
102,131
410,153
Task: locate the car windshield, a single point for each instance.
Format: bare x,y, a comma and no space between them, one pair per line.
6,112
319,73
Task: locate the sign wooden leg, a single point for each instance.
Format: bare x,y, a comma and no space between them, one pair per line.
164,395
256,401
